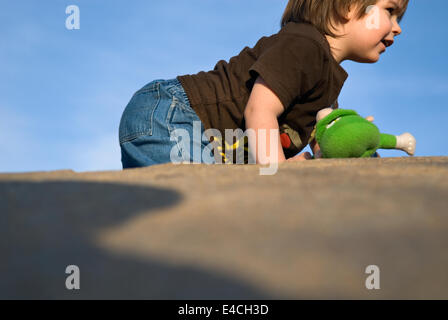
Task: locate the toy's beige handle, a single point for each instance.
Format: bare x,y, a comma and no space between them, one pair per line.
406,142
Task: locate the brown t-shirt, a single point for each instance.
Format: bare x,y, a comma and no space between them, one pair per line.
297,65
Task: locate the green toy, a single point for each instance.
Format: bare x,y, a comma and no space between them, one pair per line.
342,133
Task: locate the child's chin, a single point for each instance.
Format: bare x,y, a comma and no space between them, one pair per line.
370,59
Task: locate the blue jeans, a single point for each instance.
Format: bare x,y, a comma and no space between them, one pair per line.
149,126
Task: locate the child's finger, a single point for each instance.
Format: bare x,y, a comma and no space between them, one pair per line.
370,118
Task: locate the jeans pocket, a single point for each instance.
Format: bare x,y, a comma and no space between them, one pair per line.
138,116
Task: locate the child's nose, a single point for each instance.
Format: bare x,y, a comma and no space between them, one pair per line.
396,29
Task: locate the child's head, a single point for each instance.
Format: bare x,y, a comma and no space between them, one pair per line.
357,30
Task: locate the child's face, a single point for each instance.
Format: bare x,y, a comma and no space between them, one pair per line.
369,36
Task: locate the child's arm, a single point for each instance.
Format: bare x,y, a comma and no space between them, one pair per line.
262,111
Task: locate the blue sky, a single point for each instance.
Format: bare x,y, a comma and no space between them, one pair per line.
62,92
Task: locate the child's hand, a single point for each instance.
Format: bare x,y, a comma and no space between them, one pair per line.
301,157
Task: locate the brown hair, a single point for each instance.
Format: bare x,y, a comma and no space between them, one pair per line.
323,13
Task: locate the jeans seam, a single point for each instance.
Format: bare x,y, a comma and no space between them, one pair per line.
131,137
185,107
178,89
151,123
153,88
170,128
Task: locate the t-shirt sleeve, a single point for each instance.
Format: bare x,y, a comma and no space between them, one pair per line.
291,67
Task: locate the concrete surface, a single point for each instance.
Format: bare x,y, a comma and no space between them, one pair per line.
225,232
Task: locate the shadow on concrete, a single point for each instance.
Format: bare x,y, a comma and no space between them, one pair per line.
46,226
